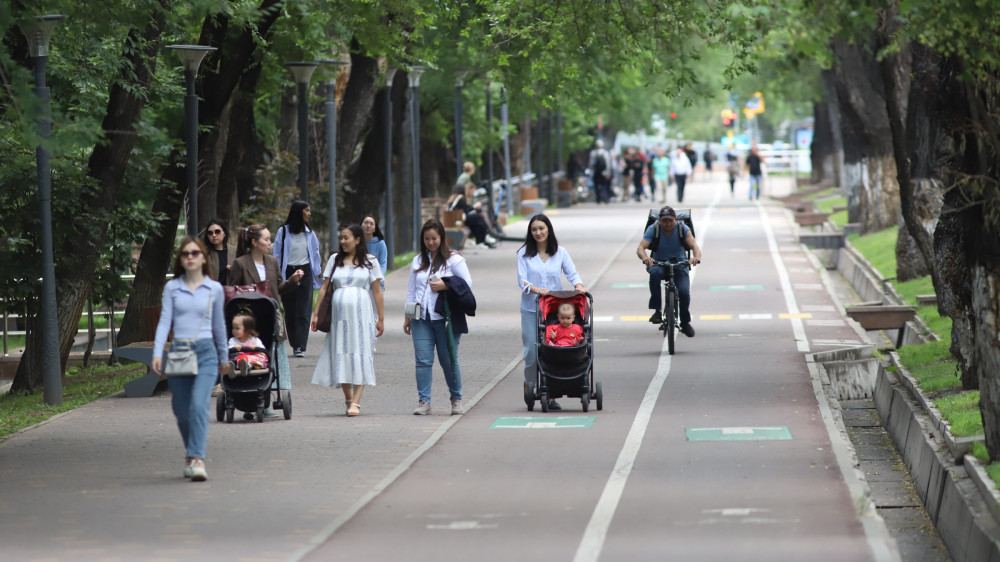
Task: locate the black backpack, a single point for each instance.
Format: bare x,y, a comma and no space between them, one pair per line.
600,163
683,215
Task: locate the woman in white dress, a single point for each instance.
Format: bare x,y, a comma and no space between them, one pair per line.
355,277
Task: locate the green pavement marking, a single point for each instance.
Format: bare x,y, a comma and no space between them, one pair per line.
738,433
736,288
546,422
629,285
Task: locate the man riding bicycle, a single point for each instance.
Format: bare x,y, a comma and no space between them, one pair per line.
670,233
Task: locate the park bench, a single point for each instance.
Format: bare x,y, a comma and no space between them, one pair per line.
811,218
883,317
823,240
926,300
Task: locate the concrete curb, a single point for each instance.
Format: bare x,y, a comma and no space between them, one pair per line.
965,517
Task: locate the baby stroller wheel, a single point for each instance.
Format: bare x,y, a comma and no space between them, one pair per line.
220,407
260,414
585,401
529,395
286,404
599,396
229,414
544,400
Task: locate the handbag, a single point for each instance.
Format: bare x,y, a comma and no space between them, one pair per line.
413,311
182,361
324,312
231,291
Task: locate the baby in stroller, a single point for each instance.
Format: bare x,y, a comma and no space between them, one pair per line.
244,346
565,333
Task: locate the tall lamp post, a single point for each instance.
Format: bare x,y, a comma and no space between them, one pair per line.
505,125
389,220
333,68
459,82
489,151
191,57
414,78
38,31
302,71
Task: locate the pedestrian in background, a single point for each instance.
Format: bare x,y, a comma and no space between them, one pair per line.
661,174
708,157
733,167
425,286
375,242
692,155
355,278
681,167
755,171
192,308
221,252
255,264
541,263
600,172
297,249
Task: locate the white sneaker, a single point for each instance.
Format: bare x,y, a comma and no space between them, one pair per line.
198,473
187,468
490,239
456,407
423,409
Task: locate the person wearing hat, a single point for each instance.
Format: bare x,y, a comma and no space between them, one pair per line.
671,232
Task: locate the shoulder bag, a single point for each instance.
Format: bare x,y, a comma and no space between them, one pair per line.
182,361
324,312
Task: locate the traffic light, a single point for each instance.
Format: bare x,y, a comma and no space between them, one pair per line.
728,118
673,115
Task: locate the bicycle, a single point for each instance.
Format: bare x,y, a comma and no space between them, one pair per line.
670,319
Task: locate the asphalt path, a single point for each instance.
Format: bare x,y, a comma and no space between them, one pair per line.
104,482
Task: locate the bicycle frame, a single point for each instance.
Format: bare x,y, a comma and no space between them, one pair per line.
670,319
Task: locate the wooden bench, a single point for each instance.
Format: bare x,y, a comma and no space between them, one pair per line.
883,317
532,207
811,219
926,300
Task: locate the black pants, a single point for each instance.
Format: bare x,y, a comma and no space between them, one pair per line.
477,226
681,181
298,307
602,188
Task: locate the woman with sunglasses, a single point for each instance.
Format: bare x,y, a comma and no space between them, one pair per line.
255,264
220,252
192,307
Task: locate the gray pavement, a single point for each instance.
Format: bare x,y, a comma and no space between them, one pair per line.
104,482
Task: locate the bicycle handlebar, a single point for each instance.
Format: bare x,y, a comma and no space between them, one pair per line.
674,264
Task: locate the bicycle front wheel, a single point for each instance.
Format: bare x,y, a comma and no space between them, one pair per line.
670,318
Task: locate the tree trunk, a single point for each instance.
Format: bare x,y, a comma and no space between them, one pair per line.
220,83
822,150
107,165
833,111
869,166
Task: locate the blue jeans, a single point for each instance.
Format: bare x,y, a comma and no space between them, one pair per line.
426,335
658,273
191,398
755,187
529,334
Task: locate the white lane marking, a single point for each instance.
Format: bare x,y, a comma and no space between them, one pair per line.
824,322
463,526
756,316
818,308
786,287
600,520
604,319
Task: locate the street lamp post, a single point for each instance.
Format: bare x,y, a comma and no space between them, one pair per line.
389,220
191,57
302,71
333,71
38,32
489,151
459,82
414,78
505,125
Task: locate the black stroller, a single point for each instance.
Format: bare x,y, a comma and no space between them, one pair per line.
252,393
564,371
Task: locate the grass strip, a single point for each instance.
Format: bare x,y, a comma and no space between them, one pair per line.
80,386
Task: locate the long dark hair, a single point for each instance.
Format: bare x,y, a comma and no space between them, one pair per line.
531,247
295,222
444,252
179,267
378,231
225,233
247,236
360,253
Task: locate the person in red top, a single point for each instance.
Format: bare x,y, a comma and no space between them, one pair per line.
566,333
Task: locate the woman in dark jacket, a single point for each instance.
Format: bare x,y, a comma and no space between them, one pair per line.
255,264
297,249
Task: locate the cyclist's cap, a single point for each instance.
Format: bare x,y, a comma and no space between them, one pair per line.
667,211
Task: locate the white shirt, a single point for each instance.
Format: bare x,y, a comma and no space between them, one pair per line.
533,272
261,271
417,289
680,164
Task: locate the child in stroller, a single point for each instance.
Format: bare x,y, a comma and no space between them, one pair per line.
246,350
565,333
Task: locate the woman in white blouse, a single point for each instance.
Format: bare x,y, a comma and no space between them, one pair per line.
541,263
435,260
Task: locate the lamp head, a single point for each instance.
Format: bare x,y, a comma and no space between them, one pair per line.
302,71
332,68
460,74
413,75
191,55
38,31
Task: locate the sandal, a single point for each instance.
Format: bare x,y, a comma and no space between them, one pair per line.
354,410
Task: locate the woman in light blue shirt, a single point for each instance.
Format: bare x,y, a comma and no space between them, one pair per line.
541,263
192,306
375,242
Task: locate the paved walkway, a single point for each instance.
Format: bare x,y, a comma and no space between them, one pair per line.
104,482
